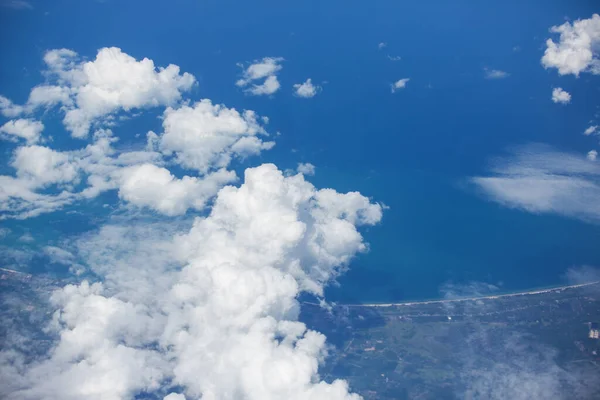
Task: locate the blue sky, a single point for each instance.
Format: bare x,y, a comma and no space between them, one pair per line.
468,170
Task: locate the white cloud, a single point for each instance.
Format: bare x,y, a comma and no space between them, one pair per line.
207,136
266,69
540,180
306,89
27,129
592,154
16,4
495,74
48,96
42,166
9,109
90,92
202,308
306,169
394,58
577,49
561,96
224,326
382,45
590,130
151,186
400,84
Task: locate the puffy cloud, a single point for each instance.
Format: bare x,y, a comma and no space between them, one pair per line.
306,89
115,80
590,130
394,58
9,109
540,180
592,154
48,95
27,129
382,45
151,186
495,73
306,169
92,91
577,49
42,166
266,69
207,136
561,96
400,84
204,137
222,327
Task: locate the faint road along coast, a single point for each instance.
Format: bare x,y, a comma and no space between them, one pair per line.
532,292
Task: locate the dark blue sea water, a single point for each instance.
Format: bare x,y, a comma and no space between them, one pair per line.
412,150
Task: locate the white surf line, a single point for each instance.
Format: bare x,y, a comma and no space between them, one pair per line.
532,292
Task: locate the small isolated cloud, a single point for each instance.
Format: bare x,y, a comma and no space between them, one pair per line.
266,69
495,73
27,129
592,154
306,169
382,45
306,89
400,84
561,96
539,179
577,48
16,4
592,129
394,58
26,238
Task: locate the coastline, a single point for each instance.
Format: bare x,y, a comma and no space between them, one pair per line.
529,292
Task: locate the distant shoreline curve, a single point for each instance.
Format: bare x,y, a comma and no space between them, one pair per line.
530,292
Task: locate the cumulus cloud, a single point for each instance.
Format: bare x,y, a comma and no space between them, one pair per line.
222,327
495,73
561,96
206,136
266,70
8,108
42,166
27,129
592,154
394,58
306,169
400,84
181,308
92,91
306,89
539,179
577,48
147,185
203,137
382,45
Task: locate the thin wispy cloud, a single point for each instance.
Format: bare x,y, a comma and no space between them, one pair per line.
539,179
16,4
495,73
